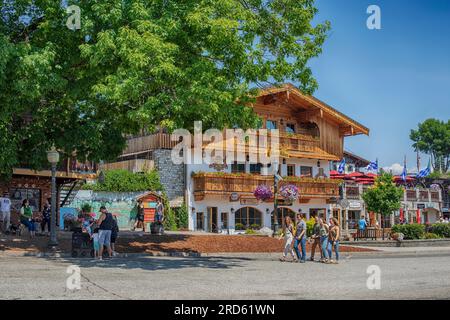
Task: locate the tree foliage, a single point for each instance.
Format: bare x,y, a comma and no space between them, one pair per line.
125,181
384,196
140,63
433,137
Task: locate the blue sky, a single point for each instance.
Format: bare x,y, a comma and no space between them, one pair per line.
389,79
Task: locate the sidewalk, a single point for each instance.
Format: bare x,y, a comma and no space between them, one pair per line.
172,243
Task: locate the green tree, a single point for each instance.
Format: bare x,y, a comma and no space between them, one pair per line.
137,64
125,181
383,197
433,137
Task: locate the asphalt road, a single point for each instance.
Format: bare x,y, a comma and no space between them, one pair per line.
262,277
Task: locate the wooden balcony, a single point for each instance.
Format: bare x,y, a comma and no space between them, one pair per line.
135,165
149,142
245,184
292,145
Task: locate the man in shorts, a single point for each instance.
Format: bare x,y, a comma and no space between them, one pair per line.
106,224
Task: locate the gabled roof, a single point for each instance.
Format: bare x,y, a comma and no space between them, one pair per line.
348,126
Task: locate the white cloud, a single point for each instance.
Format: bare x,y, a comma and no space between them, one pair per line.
397,169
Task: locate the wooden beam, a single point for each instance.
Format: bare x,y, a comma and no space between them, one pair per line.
307,115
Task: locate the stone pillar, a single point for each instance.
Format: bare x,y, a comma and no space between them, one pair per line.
172,176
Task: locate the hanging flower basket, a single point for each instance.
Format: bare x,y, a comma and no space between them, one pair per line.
289,192
263,192
435,187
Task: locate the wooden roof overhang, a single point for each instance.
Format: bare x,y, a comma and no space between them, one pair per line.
60,175
308,106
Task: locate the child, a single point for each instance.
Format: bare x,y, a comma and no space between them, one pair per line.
95,242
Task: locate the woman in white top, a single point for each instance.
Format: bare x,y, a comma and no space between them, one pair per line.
288,239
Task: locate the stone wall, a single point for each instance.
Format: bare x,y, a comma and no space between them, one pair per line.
172,176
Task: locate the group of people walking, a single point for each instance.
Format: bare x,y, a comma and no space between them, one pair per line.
324,235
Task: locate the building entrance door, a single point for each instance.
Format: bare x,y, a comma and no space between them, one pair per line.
212,220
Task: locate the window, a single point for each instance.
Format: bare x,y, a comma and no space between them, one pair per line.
306,171
255,168
353,218
321,213
18,195
291,170
247,217
281,214
237,167
224,219
271,124
290,128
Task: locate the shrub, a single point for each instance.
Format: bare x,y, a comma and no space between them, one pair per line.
250,231
86,208
309,227
255,226
182,217
239,226
430,235
411,231
441,229
125,181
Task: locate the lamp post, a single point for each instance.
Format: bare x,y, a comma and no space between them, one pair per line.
53,158
276,179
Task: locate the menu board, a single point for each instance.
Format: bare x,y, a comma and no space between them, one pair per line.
18,195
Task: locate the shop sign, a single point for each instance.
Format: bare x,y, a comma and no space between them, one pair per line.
234,196
249,201
355,205
420,206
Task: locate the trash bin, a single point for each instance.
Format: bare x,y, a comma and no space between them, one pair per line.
81,244
157,228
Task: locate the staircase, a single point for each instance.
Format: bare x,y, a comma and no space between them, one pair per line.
68,192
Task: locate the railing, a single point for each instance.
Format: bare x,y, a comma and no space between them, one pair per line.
423,195
288,142
352,192
411,195
434,196
299,142
227,183
150,142
135,165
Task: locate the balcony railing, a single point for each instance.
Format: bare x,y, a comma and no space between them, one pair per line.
434,196
149,142
411,195
211,183
423,195
291,144
352,192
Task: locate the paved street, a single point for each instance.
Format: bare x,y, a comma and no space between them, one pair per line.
261,277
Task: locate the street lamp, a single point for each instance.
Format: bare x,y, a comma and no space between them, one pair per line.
53,158
276,180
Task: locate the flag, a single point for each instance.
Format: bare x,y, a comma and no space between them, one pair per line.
373,166
404,171
341,168
425,172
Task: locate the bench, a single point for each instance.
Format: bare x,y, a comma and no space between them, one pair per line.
369,233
